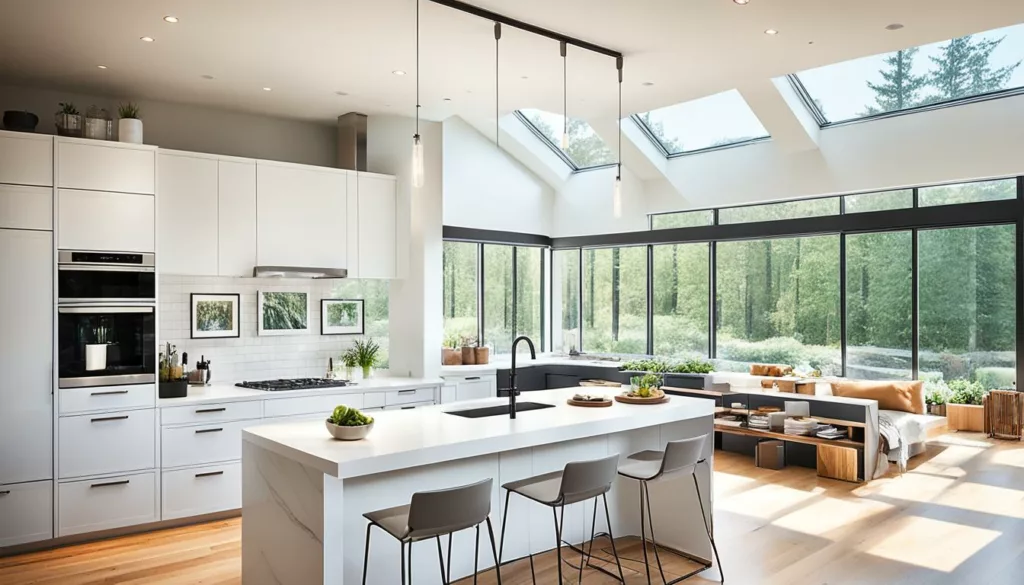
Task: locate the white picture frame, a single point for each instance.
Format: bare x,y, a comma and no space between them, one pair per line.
342,317
282,312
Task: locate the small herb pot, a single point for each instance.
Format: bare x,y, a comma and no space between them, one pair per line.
468,356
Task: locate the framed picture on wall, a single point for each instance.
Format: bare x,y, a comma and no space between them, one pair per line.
214,315
282,313
342,317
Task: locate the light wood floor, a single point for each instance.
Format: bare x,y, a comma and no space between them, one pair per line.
956,517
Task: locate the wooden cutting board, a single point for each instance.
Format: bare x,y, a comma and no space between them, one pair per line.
637,400
589,403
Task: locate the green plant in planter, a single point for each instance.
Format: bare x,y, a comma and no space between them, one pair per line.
365,352
451,341
694,366
68,109
936,392
129,110
645,385
966,392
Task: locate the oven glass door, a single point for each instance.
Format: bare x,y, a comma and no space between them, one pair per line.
106,346
105,283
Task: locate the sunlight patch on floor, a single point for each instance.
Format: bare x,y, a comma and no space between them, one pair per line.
1011,457
829,515
988,499
929,468
726,483
954,456
767,500
910,486
933,544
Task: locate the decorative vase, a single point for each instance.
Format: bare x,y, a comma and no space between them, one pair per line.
451,357
937,409
129,130
69,125
468,356
350,373
18,121
95,357
367,372
482,355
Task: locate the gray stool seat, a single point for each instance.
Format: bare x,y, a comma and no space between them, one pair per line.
394,521
543,489
645,465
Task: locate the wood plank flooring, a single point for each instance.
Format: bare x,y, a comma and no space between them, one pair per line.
956,517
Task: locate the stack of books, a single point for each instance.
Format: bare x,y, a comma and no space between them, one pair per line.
801,426
831,433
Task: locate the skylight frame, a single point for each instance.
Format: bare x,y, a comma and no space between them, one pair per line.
663,149
546,140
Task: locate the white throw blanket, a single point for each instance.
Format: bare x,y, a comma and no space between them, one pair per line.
890,446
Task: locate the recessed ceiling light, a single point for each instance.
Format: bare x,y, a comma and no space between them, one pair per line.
771,31
742,2
524,77
447,99
341,93
266,89
810,42
146,39
171,19
647,83
894,26
207,77
101,66
398,72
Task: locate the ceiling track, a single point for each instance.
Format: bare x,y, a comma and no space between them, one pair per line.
525,26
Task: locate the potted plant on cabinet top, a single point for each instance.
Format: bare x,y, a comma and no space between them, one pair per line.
68,120
964,409
366,351
129,127
468,351
350,361
451,355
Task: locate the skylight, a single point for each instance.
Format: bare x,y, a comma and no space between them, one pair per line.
983,64
723,119
585,149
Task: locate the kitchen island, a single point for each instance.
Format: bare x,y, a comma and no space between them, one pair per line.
304,494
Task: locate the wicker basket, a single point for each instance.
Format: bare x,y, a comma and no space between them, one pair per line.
451,357
1004,414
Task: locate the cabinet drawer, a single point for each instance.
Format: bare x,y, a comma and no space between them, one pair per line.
310,405
201,490
101,504
94,444
26,159
182,446
104,398
117,222
470,389
104,167
26,512
373,400
409,396
409,406
26,208
207,413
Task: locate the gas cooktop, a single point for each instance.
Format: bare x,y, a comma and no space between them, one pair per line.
294,384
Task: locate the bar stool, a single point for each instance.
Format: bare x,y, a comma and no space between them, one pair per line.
433,514
577,482
680,456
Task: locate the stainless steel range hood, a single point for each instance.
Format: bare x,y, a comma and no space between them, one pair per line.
298,272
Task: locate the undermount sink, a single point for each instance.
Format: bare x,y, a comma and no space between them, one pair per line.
501,410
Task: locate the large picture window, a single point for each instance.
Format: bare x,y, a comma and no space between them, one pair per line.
460,291
681,296
566,272
529,293
778,302
615,300
499,320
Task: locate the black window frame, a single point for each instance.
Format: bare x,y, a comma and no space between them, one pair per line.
573,166
646,130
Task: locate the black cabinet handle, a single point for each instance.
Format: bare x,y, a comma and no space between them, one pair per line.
5,492
413,390
201,431
208,410
210,474
110,483
472,378
408,407
109,418
108,393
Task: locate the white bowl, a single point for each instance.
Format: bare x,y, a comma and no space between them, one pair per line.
348,433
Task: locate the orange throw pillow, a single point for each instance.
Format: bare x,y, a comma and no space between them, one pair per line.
902,396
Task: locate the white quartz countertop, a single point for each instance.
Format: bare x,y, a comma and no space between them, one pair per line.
402,439
230,393
504,362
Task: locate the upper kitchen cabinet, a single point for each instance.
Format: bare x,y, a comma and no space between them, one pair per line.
236,220
377,225
108,222
187,213
106,166
26,159
301,216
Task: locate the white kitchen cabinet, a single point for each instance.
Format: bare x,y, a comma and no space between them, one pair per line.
118,442
26,356
187,214
399,397
236,218
96,220
105,166
378,206
26,159
197,445
470,387
26,208
310,405
448,393
111,502
301,216
352,215
106,398
26,512
211,413
409,406
201,490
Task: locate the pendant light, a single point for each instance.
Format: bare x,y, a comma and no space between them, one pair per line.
417,144
497,117
617,193
565,99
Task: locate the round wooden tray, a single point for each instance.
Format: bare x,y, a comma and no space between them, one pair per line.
632,400
588,403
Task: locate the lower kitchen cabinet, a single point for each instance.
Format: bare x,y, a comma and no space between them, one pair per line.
111,502
201,490
26,512
470,387
112,442
196,445
288,407
410,396
408,406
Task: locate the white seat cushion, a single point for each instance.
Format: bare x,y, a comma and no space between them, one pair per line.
914,427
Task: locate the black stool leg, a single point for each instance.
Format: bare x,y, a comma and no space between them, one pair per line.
504,521
558,539
366,554
449,559
643,535
611,537
707,527
403,563
654,540
476,555
494,551
440,560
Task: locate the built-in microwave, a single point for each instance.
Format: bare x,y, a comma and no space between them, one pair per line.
105,277
106,345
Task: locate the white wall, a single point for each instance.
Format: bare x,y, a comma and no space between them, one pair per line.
486,188
195,128
584,204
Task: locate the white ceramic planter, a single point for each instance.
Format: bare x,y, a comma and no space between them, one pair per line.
95,357
129,130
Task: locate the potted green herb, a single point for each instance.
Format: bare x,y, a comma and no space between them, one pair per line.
68,120
129,127
451,355
468,350
936,395
964,408
366,351
646,386
350,361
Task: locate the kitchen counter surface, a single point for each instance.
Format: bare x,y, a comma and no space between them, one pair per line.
504,362
228,392
403,439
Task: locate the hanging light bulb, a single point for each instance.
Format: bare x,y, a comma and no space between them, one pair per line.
617,192
617,197
563,47
417,144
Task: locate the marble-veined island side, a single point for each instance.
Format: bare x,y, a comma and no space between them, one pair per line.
303,493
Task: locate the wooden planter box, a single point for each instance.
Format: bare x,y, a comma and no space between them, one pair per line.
965,417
